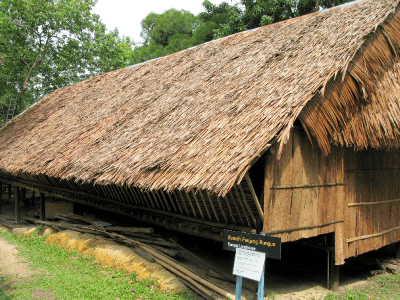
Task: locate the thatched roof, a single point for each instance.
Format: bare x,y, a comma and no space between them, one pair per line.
199,118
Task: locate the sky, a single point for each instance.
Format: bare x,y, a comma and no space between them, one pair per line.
126,15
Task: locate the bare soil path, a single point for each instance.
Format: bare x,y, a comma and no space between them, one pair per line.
16,269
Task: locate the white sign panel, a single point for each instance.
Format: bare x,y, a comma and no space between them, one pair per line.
249,264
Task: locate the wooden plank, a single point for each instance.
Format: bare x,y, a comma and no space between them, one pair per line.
339,241
298,209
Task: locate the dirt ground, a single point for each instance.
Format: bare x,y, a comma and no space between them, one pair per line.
301,274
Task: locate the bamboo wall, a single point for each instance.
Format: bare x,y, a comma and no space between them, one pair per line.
372,211
303,188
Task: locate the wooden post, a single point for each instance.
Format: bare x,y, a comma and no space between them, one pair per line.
42,208
1,194
333,269
9,191
398,250
33,199
17,216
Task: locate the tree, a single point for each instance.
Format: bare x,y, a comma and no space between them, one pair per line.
159,28
47,44
249,14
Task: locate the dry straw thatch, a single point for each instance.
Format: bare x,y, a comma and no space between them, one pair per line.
198,118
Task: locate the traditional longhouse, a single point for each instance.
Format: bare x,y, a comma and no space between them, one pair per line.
293,127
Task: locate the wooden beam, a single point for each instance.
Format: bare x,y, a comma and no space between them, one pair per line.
242,206
253,193
373,203
190,202
247,205
205,204
305,186
212,206
364,237
236,206
197,203
300,228
84,198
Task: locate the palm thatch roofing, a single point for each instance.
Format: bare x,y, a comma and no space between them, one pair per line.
200,117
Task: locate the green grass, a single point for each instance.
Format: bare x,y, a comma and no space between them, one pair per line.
70,276
3,287
385,286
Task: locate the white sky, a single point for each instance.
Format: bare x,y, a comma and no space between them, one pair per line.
126,15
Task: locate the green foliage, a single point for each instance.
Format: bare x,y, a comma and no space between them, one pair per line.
47,44
249,14
159,28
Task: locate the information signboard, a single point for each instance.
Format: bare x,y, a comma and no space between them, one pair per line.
248,264
253,242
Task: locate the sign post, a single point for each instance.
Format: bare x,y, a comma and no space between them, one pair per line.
251,251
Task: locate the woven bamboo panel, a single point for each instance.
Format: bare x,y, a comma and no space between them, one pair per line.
373,193
302,188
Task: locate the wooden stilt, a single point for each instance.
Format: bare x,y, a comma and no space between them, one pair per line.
333,269
33,199
398,250
42,208
1,194
24,199
17,216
